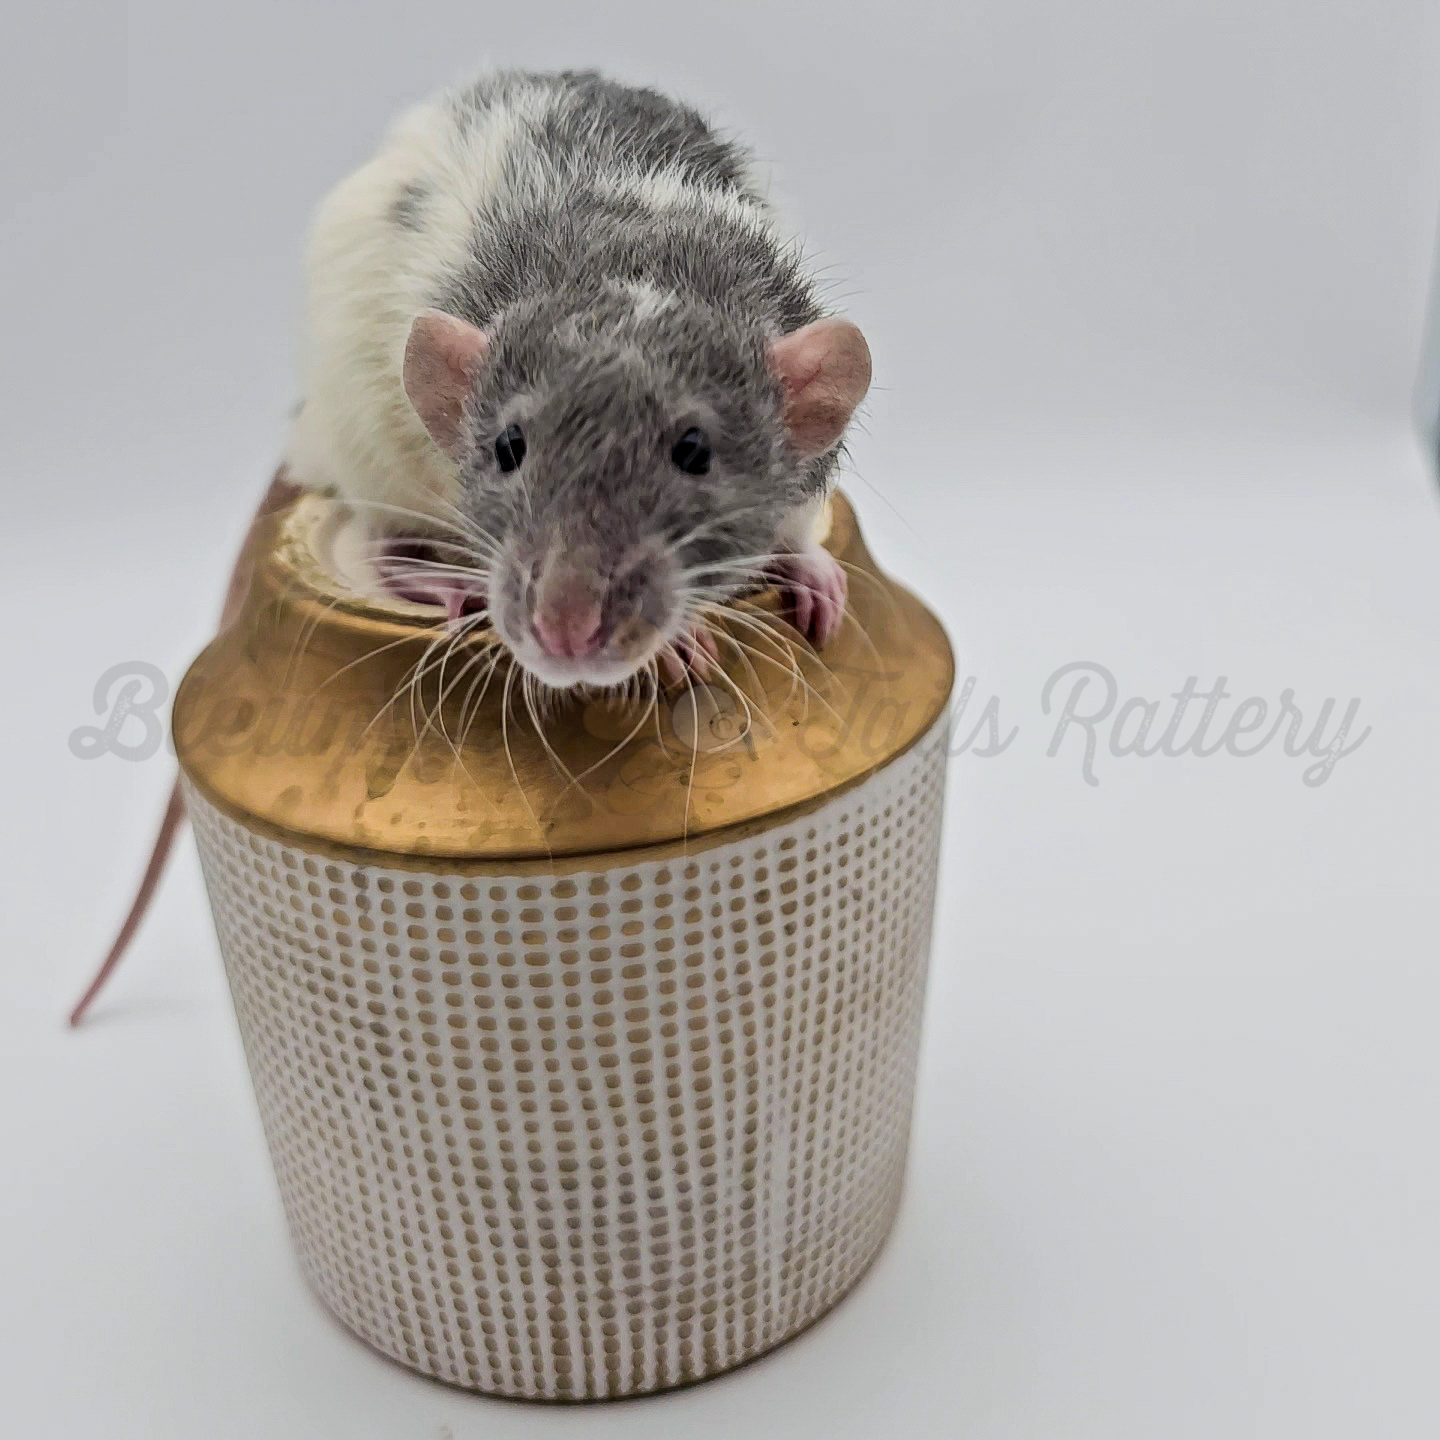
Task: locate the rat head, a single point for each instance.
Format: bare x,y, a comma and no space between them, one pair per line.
625,459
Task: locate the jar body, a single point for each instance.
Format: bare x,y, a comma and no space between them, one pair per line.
598,1128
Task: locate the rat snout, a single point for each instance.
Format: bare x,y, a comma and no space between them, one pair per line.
571,618
567,607
569,625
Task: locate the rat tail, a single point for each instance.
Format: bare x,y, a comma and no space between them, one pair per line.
159,854
282,492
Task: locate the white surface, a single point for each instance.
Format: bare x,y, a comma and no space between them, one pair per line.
1145,287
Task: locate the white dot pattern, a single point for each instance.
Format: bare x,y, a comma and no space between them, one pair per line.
592,1134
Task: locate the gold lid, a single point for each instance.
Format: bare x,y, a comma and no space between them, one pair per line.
302,720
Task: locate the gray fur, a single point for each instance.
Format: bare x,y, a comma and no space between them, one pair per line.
603,380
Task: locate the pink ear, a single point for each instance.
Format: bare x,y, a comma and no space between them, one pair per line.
825,369
443,358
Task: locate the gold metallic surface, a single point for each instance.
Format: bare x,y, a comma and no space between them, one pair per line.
301,718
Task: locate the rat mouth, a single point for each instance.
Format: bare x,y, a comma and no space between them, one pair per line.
613,659
687,652
594,672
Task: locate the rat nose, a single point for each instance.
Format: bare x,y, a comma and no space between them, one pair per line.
569,629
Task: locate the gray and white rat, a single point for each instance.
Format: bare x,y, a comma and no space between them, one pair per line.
561,307
563,366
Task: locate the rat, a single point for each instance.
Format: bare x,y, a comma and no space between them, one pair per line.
568,374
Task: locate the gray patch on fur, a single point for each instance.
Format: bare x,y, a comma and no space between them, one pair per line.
408,208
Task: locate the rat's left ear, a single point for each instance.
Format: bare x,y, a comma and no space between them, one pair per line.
825,369
443,359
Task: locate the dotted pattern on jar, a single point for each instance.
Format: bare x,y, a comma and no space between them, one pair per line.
596,1134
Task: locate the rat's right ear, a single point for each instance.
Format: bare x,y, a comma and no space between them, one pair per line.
443,358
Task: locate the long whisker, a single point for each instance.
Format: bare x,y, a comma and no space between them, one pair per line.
459,526
407,686
810,689
505,740
784,657
611,753
479,688
527,690
437,714
715,619
694,764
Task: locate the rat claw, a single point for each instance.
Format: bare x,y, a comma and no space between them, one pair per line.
812,589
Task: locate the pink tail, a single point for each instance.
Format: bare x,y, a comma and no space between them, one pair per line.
281,493
159,854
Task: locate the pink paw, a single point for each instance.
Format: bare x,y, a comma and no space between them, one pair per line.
409,570
812,589
694,653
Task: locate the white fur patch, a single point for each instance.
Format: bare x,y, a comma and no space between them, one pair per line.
806,526
368,277
671,189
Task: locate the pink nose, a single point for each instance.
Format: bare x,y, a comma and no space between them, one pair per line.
569,630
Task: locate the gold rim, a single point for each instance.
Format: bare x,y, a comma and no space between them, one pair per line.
288,723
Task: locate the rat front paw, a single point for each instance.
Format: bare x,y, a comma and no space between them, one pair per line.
812,589
411,570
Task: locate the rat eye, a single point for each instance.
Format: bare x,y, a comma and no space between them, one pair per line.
691,452
510,448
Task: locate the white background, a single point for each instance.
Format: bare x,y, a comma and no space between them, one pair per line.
1144,280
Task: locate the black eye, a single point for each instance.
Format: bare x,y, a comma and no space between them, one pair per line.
691,452
510,448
